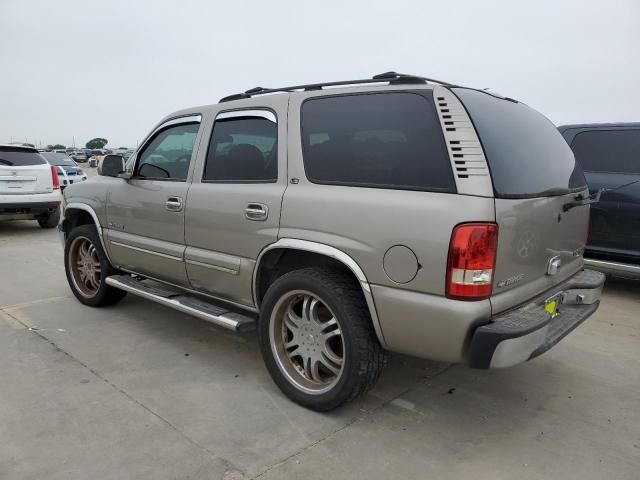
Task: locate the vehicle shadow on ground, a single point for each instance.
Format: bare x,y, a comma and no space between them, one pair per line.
211,385
623,286
20,228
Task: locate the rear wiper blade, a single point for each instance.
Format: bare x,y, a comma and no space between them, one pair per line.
594,197
553,192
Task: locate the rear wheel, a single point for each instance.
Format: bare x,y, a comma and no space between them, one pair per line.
87,267
317,339
50,220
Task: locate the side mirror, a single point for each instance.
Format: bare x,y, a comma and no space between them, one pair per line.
111,166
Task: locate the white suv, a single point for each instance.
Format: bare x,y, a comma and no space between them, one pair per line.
29,186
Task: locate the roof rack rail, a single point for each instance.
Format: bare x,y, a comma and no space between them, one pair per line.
392,77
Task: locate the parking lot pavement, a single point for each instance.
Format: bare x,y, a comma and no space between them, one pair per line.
141,391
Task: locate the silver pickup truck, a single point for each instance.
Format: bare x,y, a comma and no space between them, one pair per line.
344,220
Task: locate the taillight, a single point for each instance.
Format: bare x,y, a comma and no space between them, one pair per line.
54,178
472,259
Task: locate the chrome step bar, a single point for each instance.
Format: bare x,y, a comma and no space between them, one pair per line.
191,305
606,266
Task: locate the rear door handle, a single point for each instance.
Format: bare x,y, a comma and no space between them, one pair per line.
256,211
174,204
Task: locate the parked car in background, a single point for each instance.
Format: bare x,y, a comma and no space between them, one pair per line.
389,214
29,186
609,154
68,170
79,156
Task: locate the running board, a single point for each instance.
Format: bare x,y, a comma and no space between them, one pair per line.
197,307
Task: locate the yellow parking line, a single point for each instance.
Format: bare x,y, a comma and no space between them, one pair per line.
19,306
16,317
13,323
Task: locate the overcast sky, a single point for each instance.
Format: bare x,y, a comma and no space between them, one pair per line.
113,68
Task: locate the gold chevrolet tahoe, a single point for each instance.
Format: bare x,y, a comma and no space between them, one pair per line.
343,220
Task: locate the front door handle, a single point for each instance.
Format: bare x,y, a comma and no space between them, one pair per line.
256,211
174,204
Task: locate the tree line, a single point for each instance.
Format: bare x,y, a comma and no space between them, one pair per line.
93,144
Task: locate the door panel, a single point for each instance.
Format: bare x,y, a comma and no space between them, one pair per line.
145,214
233,206
143,235
532,233
610,157
219,235
606,231
630,215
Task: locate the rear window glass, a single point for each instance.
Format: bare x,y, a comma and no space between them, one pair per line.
58,159
608,150
527,155
12,157
389,140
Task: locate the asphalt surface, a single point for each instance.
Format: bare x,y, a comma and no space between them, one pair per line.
139,391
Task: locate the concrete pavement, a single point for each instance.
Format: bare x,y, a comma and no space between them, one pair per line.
141,391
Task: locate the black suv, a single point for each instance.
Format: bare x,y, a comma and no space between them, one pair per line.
609,154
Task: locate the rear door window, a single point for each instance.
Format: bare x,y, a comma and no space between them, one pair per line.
243,149
608,150
526,154
382,140
13,157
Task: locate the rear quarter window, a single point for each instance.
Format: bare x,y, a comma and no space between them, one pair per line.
527,156
381,140
13,157
608,150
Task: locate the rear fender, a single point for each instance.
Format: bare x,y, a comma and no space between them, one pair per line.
331,252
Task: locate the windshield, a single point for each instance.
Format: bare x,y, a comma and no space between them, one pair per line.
58,159
526,154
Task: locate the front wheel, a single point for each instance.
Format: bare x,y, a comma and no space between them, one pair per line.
317,338
87,267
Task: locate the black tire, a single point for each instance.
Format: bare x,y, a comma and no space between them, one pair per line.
363,356
50,220
104,294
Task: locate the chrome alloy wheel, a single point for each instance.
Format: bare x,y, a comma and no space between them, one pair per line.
307,342
84,266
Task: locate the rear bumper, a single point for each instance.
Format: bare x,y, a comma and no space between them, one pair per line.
614,268
27,207
71,179
529,331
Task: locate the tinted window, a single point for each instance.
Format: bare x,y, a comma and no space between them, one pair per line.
388,140
169,153
527,155
58,159
13,157
608,150
243,149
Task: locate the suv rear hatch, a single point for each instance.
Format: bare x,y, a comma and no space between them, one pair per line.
23,171
534,175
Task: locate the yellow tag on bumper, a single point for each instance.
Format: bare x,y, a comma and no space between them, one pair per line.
552,307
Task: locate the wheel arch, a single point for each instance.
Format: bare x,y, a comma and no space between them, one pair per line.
275,251
75,214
